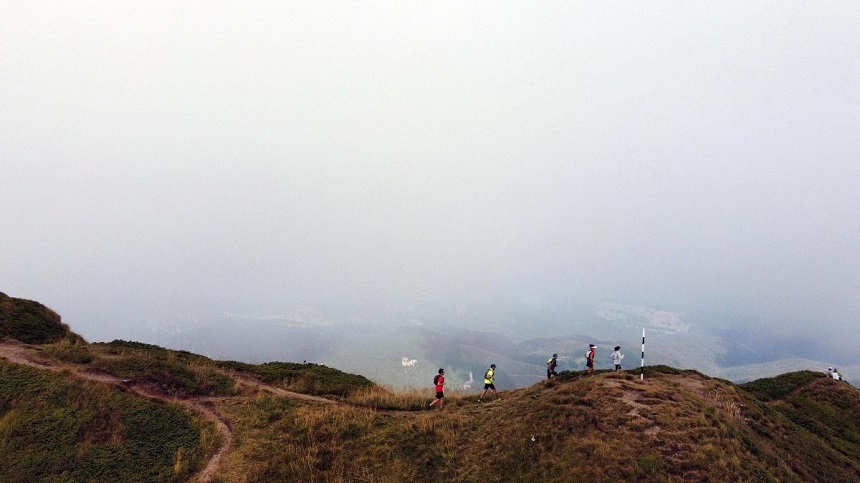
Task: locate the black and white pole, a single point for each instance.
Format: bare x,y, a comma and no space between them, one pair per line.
642,370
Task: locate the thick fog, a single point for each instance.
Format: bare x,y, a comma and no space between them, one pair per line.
176,159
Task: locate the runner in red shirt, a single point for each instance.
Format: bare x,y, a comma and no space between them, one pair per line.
439,381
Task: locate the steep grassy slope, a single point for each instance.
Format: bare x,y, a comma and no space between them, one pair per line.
31,322
54,426
824,423
125,411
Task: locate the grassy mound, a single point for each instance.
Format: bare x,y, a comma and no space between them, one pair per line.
312,379
821,439
178,373
771,388
31,322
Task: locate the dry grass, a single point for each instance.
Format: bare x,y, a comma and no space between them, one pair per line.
674,426
69,350
378,397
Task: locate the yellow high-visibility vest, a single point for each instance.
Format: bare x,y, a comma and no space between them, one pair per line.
488,377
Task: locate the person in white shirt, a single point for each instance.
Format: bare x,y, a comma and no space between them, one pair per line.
616,357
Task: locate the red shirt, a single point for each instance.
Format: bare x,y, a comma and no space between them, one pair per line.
440,383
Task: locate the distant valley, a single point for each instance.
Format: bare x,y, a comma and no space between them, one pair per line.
378,346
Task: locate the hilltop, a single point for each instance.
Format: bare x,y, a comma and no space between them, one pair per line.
31,322
126,411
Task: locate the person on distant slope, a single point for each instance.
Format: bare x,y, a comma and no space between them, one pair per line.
489,377
439,381
551,364
589,358
616,357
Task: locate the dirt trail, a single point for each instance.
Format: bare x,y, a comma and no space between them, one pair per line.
19,354
254,383
27,355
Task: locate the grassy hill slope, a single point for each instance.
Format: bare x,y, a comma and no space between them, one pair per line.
126,411
674,426
31,322
52,426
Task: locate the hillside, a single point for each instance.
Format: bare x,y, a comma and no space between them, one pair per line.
125,411
31,322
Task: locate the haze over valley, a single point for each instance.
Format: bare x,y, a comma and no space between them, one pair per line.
404,350
450,183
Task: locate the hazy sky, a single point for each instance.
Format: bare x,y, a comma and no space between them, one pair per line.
242,157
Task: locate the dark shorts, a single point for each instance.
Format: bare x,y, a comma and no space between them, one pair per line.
589,364
440,395
489,386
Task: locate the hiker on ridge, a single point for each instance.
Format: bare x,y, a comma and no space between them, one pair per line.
616,357
489,377
439,381
551,364
589,358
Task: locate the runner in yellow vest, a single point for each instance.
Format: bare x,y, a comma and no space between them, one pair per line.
489,377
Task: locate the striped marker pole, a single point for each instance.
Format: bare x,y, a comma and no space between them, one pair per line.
642,371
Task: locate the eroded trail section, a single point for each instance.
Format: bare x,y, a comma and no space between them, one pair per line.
19,354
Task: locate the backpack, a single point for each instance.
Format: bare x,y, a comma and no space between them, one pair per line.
436,379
